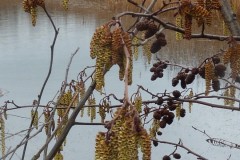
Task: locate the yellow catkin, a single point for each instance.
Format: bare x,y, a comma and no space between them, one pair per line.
35,118
190,103
232,92
226,56
179,23
226,94
125,136
154,128
58,156
65,4
138,103
103,108
135,48
226,30
81,87
146,52
178,108
102,149
33,12
2,127
234,59
209,75
46,120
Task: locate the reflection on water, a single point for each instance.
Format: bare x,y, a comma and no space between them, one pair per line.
24,57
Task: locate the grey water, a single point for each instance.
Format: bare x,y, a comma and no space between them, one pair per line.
24,63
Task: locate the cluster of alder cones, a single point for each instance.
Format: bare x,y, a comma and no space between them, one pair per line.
151,29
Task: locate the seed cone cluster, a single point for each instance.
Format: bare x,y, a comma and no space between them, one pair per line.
211,70
107,47
157,69
201,11
158,43
30,6
124,137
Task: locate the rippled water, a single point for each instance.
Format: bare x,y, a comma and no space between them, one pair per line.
24,62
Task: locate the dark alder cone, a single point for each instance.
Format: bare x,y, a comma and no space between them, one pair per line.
195,71
154,77
170,102
160,74
237,79
162,41
169,120
216,85
165,112
176,155
162,123
183,84
172,107
186,70
160,35
181,75
155,47
155,143
220,67
220,70
156,64
216,60
176,93
159,133
164,65
141,26
159,101
182,112
190,78
171,115
175,82
202,72
166,157
159,69
153,69
152,29
157,115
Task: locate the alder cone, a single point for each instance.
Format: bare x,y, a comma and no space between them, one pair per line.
152,29
183,84
190,78
216,60
175,82
216,85
155,47
169,120
157,115
182,112
160,35
154,77
159,101
172,107
176,155
155,143
220,70
176,93
195,71
166,157
162,123
141,26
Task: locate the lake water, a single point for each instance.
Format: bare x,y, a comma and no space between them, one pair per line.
24,63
